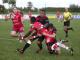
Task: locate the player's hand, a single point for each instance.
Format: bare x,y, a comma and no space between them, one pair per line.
6,18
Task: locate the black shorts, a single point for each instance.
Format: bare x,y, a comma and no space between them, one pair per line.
67,23
51,43
39,38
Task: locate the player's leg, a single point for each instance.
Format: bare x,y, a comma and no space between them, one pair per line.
39,43
49,48
58,18
21,33
13,34
65,29
22,50
69,28
59,44
66,47
27,45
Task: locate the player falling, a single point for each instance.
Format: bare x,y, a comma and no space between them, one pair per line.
17,27
49,34
67,16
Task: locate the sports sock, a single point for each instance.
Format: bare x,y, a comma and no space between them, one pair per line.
70,28
66,33
26,45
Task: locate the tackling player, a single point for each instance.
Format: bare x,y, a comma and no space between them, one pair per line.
50,39
67,16
43,19
35,34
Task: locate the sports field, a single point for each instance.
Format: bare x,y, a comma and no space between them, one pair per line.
8,44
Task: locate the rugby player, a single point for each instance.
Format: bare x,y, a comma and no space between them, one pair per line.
52,44
35,34
17,27
43,19
49,34
67,16
58,15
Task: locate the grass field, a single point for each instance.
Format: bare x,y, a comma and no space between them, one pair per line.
9,44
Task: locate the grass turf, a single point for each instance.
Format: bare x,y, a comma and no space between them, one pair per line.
9,44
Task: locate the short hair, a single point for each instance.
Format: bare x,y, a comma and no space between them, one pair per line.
42,10
14,8
33,19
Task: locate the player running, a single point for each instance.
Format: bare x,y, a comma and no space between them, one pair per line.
58,15
17,27
67,16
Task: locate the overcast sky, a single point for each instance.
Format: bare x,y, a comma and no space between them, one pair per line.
48,3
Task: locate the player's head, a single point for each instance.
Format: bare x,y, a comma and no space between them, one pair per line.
33,19
42,12
15,10
51,27
66,9
30,11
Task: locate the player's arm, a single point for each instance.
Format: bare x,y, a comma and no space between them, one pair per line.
22,18
62,17
7,17
70,16
29,34
52,35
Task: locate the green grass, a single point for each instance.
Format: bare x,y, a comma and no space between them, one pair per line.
9,44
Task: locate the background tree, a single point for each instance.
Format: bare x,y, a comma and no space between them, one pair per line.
10,2
74,8
30,5
2,9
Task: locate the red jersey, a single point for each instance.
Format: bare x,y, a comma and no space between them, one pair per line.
37,26
47,38
17,23
17,20
42,20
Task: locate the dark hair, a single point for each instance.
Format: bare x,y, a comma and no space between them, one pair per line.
33,19
42,10
50,25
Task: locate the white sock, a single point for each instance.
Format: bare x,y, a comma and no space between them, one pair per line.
29,42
